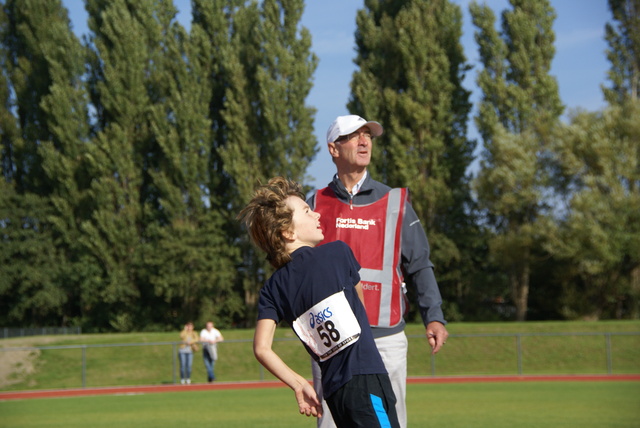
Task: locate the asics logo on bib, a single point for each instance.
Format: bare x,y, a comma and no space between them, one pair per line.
320,317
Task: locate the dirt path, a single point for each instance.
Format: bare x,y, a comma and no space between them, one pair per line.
15,366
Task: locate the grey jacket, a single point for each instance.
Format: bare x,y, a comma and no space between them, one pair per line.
417,267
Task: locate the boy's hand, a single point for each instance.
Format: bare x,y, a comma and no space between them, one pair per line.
308,403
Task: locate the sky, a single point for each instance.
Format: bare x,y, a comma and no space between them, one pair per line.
580,65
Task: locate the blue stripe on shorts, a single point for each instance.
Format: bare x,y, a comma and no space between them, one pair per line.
381,413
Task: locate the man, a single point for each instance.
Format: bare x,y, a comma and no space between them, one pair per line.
385,234
210,336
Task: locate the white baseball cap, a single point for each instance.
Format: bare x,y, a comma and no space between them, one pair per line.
345,125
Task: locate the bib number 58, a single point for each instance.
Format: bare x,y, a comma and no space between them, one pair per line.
328,333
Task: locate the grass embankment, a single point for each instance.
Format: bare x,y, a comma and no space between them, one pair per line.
473,349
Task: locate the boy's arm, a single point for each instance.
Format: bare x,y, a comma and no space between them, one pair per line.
308,402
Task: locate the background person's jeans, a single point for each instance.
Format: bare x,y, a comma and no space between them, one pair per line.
186,361
209,364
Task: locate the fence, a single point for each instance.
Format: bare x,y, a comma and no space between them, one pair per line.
8,332
75,366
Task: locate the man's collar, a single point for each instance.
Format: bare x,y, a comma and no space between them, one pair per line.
356,188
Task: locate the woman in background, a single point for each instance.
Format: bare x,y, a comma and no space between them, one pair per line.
189,345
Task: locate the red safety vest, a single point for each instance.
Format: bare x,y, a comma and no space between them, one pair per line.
374,233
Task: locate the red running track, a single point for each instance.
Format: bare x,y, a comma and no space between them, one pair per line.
151,389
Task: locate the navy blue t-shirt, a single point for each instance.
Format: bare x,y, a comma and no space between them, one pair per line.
313,274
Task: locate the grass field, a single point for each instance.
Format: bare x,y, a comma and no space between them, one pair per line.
473,349
480,405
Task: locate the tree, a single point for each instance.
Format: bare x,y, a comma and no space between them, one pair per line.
599,178
624,51
39,64
600,231
190,260
31,268
519,108
261,125
154,230
66,166
410,70
31,56
125,159
8,121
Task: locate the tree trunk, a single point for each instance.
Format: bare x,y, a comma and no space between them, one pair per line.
520,287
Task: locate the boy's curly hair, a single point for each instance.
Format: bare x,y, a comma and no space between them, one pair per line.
267,216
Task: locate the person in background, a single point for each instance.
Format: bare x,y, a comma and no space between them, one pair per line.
385,234
209,337
188,345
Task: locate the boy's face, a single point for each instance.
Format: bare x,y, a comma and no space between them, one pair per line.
306,229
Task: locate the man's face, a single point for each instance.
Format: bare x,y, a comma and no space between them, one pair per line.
353,150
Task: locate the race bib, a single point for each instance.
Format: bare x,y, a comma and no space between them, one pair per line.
329,327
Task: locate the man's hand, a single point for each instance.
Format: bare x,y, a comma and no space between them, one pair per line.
436,335
308,403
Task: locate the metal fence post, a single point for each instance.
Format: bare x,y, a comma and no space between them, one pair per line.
433,365
607,338
173,353
519,350
84,366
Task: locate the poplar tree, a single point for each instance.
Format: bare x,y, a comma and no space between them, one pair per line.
31,268
623,37
39,62
192,262
28,72
261,125
8,122
409,78
161,245
65,163
120,95
519,108
599,178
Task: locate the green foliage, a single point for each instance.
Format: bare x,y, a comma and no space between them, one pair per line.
126,156
599,167
206,291
261,123
623,37
42,111
30,266
128,146
411,67
519,108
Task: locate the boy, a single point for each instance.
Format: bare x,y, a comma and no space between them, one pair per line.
317,291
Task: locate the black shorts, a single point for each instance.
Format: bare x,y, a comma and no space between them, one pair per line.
365,401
